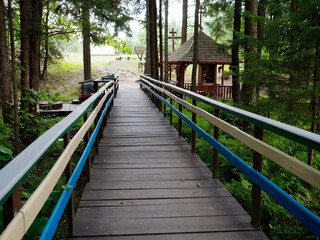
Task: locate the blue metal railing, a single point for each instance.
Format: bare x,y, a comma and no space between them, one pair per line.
306,217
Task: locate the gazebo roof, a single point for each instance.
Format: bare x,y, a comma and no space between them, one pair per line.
209,52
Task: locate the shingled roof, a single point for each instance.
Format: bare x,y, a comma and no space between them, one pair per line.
209,52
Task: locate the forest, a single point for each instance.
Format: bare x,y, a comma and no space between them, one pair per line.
275,48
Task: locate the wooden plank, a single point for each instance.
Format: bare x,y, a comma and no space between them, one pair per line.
148,165
163,225
240,235
161,140
152,194
160,211
173,184
151,202
151,148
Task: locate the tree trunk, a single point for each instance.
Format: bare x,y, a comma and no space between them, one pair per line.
248,88
315,98
25,21
195,48
160,40
45,62
34,54
184,21
235,52
14,81
86,40
166,10
153,39
5,92
147,69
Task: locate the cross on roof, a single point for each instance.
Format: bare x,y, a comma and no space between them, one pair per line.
201,12
173,38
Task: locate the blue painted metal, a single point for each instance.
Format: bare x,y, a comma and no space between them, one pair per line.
306,217
64,198
87,86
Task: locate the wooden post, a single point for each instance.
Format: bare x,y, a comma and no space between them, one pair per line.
215,162
256,190
180,120
170,112
88,161
11,206
68,173
164,106
193,134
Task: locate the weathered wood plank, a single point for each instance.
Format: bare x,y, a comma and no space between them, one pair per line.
241,235
154,194
207,183
163,225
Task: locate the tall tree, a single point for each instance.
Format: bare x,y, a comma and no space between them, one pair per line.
153,39
46,44
166,13
195,48
235,52
35,40
86,39
14,80
250,30
5,91
147,69
184,31
160,40
25,25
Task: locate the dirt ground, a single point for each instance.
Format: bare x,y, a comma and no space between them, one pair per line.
127,71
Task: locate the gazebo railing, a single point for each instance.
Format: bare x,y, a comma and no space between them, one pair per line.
213,91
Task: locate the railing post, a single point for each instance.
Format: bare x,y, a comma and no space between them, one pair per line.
11,206
193,134
180,120
68,173
170,112
215,162
88,161
164,106
256,190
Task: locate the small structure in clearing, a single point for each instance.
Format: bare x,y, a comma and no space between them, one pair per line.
210,57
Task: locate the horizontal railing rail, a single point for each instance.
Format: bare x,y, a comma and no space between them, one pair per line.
301,136
15,171
300,169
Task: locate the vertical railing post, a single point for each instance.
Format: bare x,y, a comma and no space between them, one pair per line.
215,162
68,173
164,106
11,206
170,112
180,120
86,141
256,190
193,133
96,143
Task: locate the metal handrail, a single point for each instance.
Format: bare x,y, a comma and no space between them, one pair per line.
14,172
301,136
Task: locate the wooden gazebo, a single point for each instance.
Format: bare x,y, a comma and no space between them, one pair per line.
210,56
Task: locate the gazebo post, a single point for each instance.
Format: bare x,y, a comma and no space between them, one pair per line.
222,75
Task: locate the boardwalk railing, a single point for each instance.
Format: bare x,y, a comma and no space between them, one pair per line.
18,220
213,91
160,91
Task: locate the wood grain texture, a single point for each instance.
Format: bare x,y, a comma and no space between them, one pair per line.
146,184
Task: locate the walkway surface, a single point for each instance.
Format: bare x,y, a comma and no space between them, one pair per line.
146,184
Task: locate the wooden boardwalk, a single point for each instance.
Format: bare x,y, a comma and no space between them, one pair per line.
146,184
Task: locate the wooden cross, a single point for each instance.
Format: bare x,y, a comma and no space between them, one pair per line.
201,12
173,38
